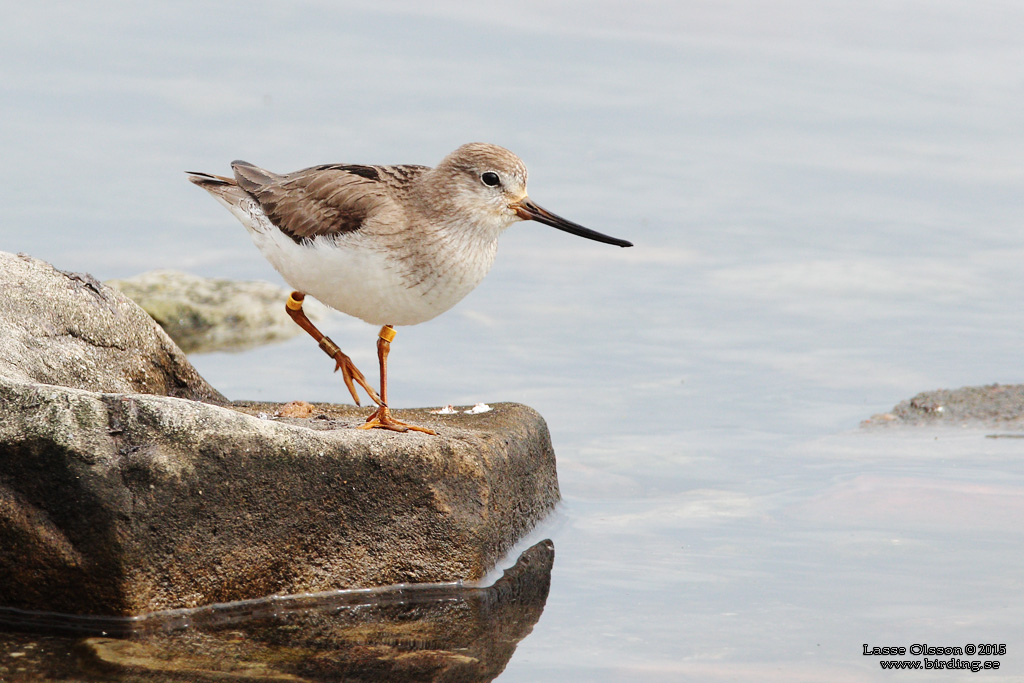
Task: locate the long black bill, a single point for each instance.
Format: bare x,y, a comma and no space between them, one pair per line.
529,211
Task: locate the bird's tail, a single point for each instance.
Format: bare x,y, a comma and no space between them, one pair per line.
251,177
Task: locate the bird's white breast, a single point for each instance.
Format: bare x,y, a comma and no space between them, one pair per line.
392,281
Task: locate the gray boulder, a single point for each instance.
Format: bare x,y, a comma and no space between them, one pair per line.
70,330
121,494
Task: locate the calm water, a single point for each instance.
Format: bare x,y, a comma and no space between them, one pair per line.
826,200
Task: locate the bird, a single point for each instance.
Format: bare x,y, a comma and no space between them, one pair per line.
392,245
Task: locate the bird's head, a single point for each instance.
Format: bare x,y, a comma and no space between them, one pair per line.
487,185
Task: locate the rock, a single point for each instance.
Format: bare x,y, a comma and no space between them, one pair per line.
416,633
68,329
126,504
122,503
211,314
994,405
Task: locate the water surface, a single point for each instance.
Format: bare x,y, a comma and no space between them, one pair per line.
826,201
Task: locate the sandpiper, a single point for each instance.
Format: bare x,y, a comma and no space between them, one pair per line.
392,245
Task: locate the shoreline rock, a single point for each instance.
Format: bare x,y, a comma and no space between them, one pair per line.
414,633
214,314
992,405
68,329
120,494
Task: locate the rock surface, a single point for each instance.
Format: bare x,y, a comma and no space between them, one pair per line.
69,329
993,405
121,503
212,314
421,633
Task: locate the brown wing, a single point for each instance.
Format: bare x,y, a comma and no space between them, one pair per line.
322,200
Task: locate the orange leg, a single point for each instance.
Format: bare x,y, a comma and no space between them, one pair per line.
382,416
349,372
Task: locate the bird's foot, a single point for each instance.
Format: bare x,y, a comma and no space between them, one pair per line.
382,419
350,373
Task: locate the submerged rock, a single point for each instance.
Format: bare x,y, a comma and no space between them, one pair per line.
211,314
118,502
993,405
415,633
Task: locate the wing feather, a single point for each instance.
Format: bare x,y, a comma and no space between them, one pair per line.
324,200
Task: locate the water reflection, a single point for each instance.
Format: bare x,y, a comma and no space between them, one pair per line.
416,633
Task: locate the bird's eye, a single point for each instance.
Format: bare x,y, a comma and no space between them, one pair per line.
490,179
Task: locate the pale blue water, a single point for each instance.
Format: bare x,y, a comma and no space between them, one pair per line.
826,199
